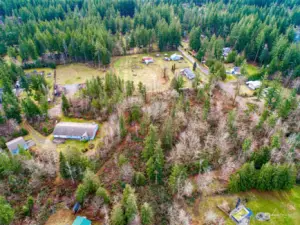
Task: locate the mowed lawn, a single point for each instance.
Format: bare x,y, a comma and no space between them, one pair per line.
76,73
283,206
131,68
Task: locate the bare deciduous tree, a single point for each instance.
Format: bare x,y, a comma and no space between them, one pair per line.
178,216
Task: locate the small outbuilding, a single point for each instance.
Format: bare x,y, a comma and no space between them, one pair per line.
188,73
81,221
241,215
176,57
226,51
15,145
253,85
1,94
147,60
77,131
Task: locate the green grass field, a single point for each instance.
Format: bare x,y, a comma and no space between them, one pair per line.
131,68
75,73
251,69
284,206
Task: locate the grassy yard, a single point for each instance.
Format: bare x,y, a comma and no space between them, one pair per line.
283,206
75,73
251,69
131,68
76,143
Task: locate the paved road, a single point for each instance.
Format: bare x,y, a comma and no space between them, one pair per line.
192,60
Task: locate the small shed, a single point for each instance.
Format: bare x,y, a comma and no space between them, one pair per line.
188,73
1,94
241,215
147,60
226,51
80,220
176,57
78,131
15,144
253,85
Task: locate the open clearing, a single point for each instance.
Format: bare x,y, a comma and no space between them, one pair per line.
251,69
283,206
127,67
131,68
75,73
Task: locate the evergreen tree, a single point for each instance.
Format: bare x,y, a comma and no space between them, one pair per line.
6,212
139,179
167,134
30,109
147,215
81,193
155,164
11,107
246,145
63,166
260,157
177,177
150,143
265,178
103,193
122,124
129,203
194,39
65,105
117,215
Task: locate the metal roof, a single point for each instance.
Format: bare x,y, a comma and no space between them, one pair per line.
81,221
188,73
75,129
15,143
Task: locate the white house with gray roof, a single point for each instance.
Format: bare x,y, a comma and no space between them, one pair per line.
77,131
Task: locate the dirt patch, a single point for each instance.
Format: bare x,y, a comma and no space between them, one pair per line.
61,217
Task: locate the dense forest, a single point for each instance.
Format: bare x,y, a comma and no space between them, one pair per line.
157,154
263,31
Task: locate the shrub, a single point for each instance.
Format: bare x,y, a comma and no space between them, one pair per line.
122,160
139,179
81,193
103,193
260,157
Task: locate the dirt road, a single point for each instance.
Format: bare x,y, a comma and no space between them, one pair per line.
192,60
40,140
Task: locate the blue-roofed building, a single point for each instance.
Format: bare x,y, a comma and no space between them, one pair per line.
188,73
176,57
297,35
81,221
1,94
15,144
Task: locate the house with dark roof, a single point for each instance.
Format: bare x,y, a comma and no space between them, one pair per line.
188,73
81,221
226,51
1,94
77,131
15,145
